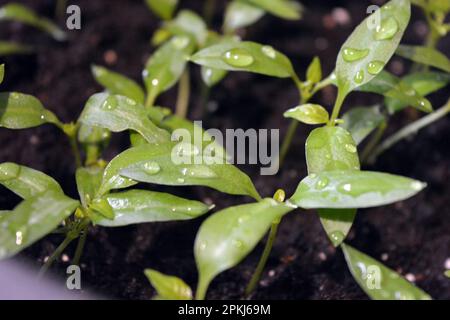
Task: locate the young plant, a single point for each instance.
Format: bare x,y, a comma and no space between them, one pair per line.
335,186
19,13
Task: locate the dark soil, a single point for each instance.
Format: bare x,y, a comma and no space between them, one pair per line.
412,236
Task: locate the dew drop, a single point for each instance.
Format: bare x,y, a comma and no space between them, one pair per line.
322,183
237,243
238,58
155,82
110,103
337,237
350,148
269,51
375,67
387,29
345,188
359,76
19,238
9,171
151,168
202,246
351,55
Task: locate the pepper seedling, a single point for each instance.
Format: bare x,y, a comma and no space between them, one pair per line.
19,13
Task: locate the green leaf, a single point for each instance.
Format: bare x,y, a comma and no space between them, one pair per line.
93,135
290,10
392,87
2,72
447,273
371,45
425,55
31,220
21,13
378,281
10,48
228,236
88,182
424,83
168,287
204,141
116,83
139,206
119,113
353,189
166,65
240,14
314,71
211,76
361,121
329,149
154,164
245,56
163,8
309,114
333,148
188,23
21,111
26,182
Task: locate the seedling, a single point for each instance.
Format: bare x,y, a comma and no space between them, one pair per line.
19,13
335,185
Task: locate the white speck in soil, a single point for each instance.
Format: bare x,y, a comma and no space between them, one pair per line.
322,256
384,257
410,277
65,258
447,264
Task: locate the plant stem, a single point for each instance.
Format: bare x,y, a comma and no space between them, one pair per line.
55,255
337,107
287,141
75,150
80,246
61,9
184,89
371,145
263,260
410,129
150,100
208,11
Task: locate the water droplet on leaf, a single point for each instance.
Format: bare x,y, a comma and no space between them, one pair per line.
387,29
238,58
359,77
151,167
351,55
375,67
269,51
9,171
110,103
350,148
322,183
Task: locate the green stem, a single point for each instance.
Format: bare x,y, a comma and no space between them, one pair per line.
337,107
208,11
411,129
75,150
288,141
80,246
55,255
371,145
184,90
61,6
263,260
150,100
